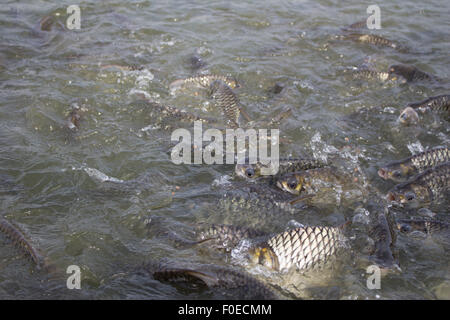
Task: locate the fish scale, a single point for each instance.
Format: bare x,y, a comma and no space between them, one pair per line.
284,166
425,225
19,239
301,247
213,276
398,170
437,103
204,81
428,186
227,101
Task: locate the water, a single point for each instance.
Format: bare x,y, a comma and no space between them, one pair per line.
49,187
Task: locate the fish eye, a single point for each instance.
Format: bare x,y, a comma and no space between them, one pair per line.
396,174
292,184
249,172
405,228
410,196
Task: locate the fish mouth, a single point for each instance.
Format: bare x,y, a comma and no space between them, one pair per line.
391,196
383,173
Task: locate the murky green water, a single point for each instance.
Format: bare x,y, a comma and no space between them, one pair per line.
77,220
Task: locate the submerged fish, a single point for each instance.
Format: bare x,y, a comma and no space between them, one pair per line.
73,121
243,285
403,169
427,226
429,186
410,73
253,171
303,248
19,239
357,25
164,112
203,81
384,236
227,101
261,200
372,39
372,75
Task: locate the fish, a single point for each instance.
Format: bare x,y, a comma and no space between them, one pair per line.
410,73
437,103
408,117
308,181
203,81
357,25
74,118
195,62
372,39
228,236
253,171
213,276
384,236
262,200
372,75
163,112
428,226
227,101
429,186
303,248
403,169
19,239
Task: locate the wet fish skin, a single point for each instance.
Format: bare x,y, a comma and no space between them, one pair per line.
227,101
269,200
253,171
429,186
305,181
383,233
214,276
410,73
204,81
166,111
408,116
372,75
415,164
303,248
428,226
74,118
436,103
228,236
372,39
19,239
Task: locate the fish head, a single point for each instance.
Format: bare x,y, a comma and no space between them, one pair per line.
408,194
404,227
408,116
291,183
247,171
395,172
264,256
401,71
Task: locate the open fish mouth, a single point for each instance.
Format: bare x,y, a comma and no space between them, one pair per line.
383,173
